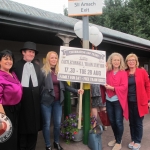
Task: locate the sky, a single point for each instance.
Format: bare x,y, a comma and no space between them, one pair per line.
55,6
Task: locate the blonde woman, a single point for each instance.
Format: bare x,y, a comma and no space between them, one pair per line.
138,98
116,97
52,99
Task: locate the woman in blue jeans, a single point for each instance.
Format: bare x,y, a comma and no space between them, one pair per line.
116,97
138,99
52,98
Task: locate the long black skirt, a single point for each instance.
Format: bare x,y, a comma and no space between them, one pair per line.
12,113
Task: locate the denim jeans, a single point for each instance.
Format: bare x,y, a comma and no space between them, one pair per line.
52,111
115,115
135,123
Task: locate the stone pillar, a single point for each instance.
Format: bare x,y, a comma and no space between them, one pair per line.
67,102
66,38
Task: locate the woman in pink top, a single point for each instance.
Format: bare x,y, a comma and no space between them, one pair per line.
10,96
116,97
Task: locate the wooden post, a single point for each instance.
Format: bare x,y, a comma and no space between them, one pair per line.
80,108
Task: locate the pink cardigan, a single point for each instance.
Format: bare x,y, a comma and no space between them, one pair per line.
120,83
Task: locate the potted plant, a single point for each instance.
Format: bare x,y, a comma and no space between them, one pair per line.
69,129
93,122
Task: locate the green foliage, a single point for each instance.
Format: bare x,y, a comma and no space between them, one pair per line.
129,16
93,121
65,11
66,14
69,127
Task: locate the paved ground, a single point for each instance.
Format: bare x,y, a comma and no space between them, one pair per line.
106,137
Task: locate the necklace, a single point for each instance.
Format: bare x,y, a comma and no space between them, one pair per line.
53,72
115,72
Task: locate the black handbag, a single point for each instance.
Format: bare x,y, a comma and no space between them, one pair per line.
94,139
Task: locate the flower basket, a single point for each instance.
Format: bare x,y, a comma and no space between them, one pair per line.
78,137
93,121
69,128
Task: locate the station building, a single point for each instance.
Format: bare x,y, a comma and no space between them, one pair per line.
20,23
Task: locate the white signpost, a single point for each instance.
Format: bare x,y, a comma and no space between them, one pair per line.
82,65
84,7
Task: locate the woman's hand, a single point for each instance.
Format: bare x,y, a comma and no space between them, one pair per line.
108,87
149,104
80,91
2,109
1,125
103,108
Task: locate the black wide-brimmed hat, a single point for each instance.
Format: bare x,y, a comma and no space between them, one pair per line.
30,46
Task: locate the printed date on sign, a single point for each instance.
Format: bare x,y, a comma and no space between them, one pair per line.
82,71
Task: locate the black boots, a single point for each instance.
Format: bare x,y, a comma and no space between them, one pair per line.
49,148
57,146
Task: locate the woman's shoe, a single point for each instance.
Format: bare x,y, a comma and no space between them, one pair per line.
117,147
49,148
130,145
104,128
57,146
136,146
112,143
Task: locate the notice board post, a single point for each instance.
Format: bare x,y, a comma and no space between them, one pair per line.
86,96
85,8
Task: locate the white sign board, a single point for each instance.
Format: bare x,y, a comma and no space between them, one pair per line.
84,7
82,65
6,128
